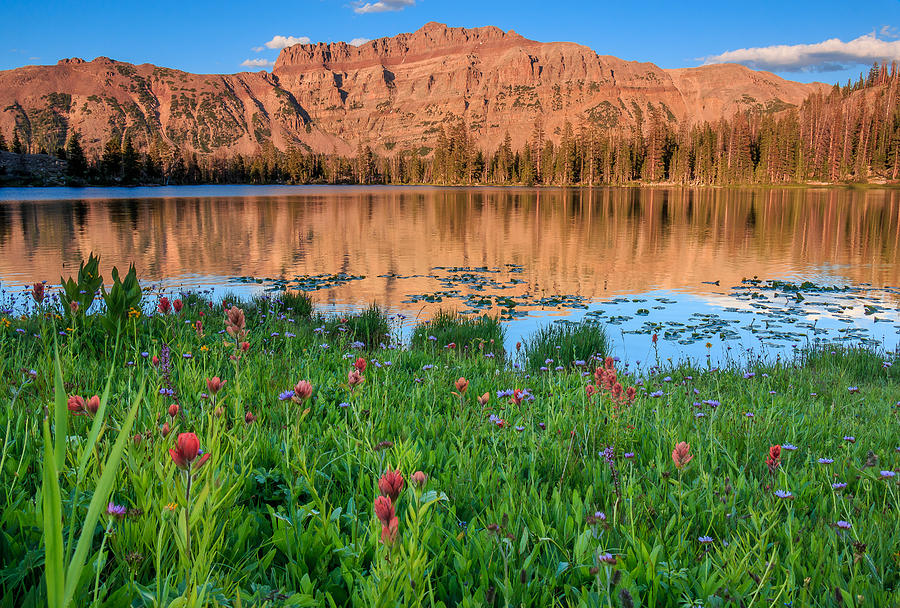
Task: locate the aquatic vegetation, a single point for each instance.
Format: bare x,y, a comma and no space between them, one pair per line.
482,335
281,473
565,343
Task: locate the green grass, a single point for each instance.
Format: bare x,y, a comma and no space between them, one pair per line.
282,512
563,343
469,335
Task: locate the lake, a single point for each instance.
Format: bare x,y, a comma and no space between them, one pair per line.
695,266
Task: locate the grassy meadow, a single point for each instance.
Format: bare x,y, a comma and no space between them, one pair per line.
257,453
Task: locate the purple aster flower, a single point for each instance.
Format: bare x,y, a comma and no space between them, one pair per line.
783,494
888,474
853,389
850,438
749,375
628,455
788,446
145,354
712,403
608,558
544,368
705,539
667,379
600,515
826,460
559,368
840,485
657,394
117,511
187,356
520,428
749,414
843,525
343,404
286,395
699,415
427,367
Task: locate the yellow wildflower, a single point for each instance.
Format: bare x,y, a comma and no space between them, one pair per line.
204,348
171,506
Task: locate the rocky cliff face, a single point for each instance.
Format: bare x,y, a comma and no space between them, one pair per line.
392,93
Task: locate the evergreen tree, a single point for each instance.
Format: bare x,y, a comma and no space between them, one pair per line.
77,166
3,146
131,169
111,160
17,147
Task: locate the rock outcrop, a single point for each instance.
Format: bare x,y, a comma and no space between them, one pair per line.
392,93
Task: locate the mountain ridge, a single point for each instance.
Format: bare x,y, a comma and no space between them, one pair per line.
392,93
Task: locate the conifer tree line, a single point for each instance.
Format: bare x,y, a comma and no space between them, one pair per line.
851,133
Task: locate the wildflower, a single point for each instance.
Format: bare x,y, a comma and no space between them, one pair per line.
590,389
389,531
235,322
171,506
245,346
699,415
853,389
37,292
187,449
748,375
657,394
784,494
427,367
284,396
419,478
850,439
705,539
654,338
177,305
165,429
483,399
117,511
628,455
681,455
73,306
76,405
164,306
462,385
214,384
384,509
187,356
302,391
608,558
383,445
360,365
520,428
391,484
843,525
888,474
826,460
249,418
749,415
343,404
840,485
354,377
155,361
774,459
173,410
788,446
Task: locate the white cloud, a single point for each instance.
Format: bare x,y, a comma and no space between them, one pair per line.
828,56
280,42
382,6
257,63
359,41
259,49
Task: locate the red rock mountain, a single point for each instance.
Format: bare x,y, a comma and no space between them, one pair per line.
391,93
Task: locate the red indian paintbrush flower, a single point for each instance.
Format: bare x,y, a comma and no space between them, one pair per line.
37,292
360,364
177,305
681,455
173,410
187,449
302,391
165,429
235,322
245,346
384,510
164,305
590,389
214,384
419,478
483,400
92,405
76,405
354,377
391,484
462,385
774,459
249,418
389,532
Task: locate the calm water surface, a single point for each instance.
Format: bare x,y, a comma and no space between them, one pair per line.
640,259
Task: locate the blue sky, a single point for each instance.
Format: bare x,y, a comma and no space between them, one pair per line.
826,41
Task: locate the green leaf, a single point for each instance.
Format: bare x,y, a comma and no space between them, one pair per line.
99,501
60,412
53,543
